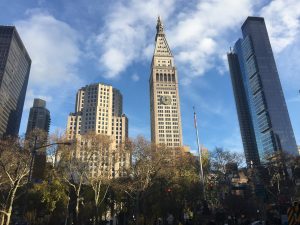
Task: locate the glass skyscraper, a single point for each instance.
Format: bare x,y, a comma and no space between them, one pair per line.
14,73
263,117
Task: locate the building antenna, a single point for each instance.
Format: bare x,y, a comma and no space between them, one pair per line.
200,153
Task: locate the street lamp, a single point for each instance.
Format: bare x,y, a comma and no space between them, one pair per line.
33,152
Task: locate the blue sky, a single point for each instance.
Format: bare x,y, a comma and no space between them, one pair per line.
78,42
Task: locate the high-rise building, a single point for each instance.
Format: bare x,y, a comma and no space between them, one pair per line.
14,73
263,116
37,135
39,117
164,94
99,110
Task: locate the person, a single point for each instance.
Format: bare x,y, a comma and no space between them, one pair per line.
170,219
159,221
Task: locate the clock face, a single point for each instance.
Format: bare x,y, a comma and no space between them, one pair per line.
166,100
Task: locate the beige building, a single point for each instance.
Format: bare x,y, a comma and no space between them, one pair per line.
99,110
164,94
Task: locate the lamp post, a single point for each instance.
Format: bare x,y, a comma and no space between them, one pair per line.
33,152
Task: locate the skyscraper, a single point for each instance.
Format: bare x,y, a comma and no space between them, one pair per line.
14,73
37,135
164,94
99,109
264,120
39,117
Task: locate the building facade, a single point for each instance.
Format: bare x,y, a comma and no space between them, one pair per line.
164,94
99,111
37,135
263,116
39,117
14,73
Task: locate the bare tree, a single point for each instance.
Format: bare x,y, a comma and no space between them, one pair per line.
15,166
34,141
148,160
79,166
100,145
53,152
74,173
220,158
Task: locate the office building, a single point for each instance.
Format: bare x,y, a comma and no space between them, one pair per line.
263,116
99,110
164,94
37,135
14,73
39,117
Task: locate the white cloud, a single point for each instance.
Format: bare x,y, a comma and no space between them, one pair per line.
135,77
282,21
195,34
53,48
288,65
31,95
124,36
199,38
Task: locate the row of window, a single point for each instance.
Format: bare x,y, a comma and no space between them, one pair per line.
166,86
167,127
165,77
166,107
167,115
167,119
167,92
167,111
167,131
169,135
167,123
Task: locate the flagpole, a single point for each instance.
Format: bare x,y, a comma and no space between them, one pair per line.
200,153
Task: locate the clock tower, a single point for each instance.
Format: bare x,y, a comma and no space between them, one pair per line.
164,95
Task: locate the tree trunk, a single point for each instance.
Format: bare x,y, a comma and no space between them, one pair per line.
77,210
11,198
8,218
96,215
77,192
2,219
96,201
137,210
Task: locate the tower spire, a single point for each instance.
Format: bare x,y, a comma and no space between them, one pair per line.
161,45
163,78
159,26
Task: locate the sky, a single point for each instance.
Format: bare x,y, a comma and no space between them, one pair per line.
73,43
